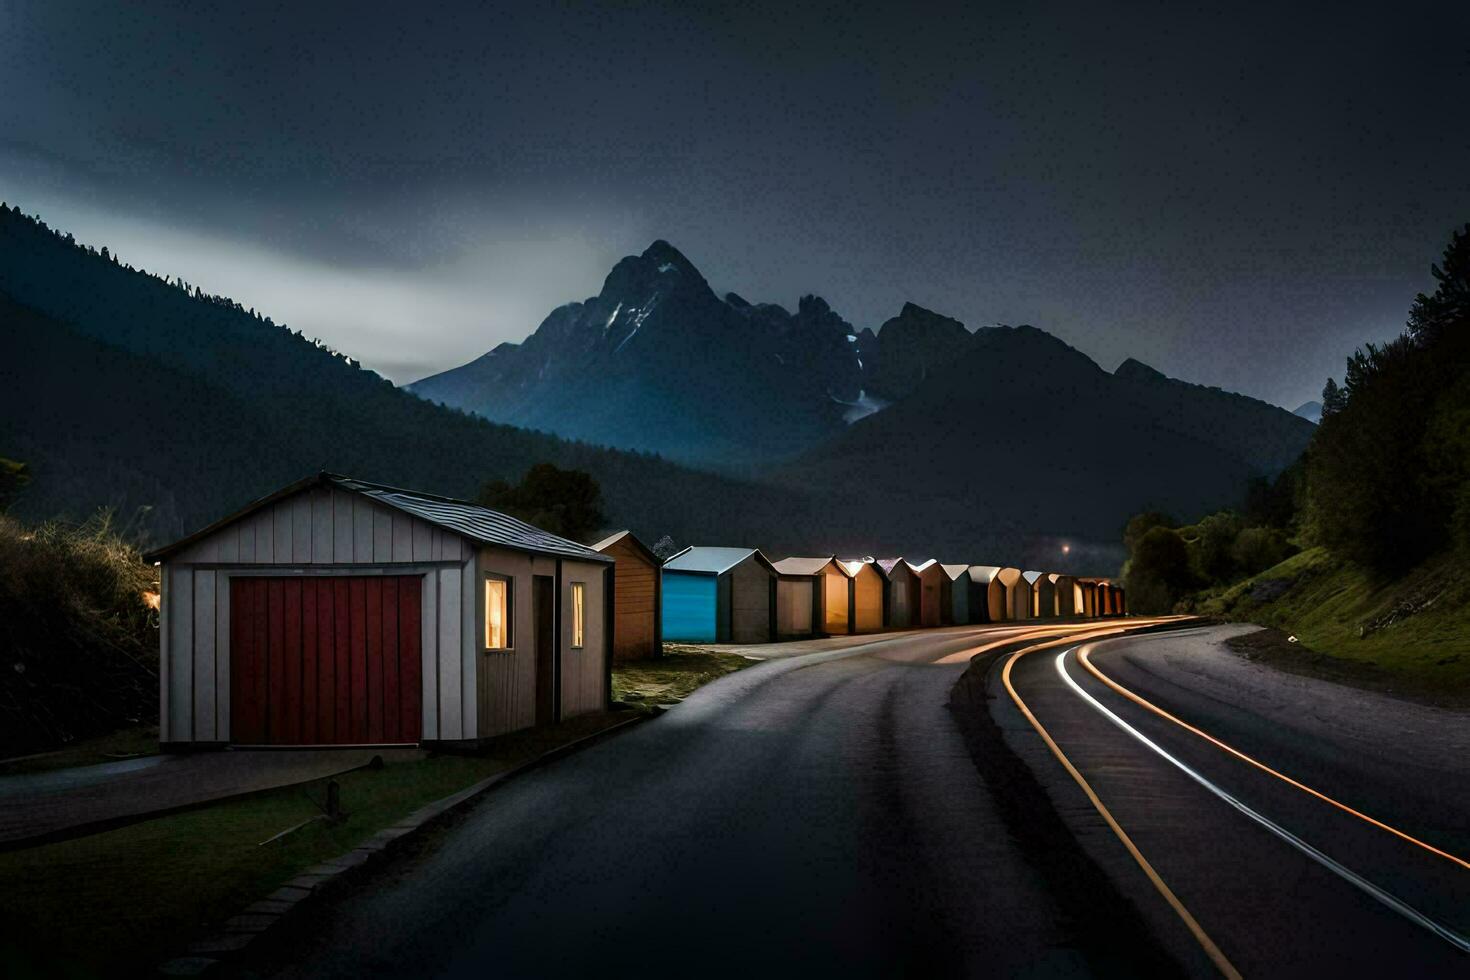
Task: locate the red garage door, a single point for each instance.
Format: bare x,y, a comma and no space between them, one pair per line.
324,660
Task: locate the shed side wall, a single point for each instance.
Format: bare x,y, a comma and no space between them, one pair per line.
635,604
750,603
583,672
868,600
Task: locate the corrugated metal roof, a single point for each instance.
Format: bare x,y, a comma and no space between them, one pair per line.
711,561
459,516
955,571
472,521
802,566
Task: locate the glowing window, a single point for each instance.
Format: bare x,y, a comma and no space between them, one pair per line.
579,619
497,613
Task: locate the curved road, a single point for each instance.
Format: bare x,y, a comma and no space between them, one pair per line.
1281,881
881,807
802,817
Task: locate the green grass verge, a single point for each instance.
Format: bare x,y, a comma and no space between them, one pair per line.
116,902
1415,628
674,676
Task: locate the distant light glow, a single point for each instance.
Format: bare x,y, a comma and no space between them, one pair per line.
1066,549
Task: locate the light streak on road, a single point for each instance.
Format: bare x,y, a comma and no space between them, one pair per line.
1342,871
1083,656
1210,947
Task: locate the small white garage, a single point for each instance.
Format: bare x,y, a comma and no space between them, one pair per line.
338,612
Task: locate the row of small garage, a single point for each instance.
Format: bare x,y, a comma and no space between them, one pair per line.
738,595
340,612
734,595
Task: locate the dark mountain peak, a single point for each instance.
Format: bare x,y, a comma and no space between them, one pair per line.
909,348
1135,370
811,307
737,301
662,253
1028,355
813,303
915,317
661,268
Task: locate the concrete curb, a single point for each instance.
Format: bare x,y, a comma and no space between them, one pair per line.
240,930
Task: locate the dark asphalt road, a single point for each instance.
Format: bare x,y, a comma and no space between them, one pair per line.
809,816
1272,909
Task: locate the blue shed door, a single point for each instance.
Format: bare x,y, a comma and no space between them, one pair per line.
689,607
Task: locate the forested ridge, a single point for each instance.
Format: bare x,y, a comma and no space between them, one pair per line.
124,388
1361,544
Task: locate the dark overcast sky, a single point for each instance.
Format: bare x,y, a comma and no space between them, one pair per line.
1237,197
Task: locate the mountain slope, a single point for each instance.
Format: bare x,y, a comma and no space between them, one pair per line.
908,349
1027,436
122,389
1311,411
656,361
1266,436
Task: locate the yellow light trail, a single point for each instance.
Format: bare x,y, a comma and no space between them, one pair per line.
1213,951
1083,655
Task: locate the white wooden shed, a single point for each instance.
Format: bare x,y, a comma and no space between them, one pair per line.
339,612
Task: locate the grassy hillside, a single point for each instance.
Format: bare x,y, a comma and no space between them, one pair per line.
1413,631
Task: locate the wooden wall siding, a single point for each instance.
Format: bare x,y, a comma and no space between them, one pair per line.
794,607
997,608
903,597
1020,595
178,593
959,599
194,656
835,605
1043,599
750,603
323,526
931,596
635,604
868,600
451,666
326,659
505,682
583,672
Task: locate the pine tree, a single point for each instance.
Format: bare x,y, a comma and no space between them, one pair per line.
1333,398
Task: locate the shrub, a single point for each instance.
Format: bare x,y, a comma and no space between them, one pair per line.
1158,571
1213,547
1256,549
78,634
